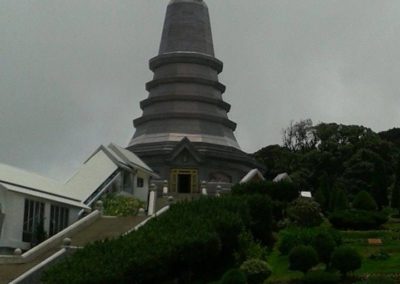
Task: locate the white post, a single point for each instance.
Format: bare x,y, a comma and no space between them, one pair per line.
204,188
165,188
152,201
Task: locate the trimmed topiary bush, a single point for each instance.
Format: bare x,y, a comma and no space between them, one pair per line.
305,212
364,201
346,259
321,277
302,258
292,237
233,276
256,270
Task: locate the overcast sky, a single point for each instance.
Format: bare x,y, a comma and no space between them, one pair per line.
72,72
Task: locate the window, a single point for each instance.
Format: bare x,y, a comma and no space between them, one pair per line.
33,218
140,182
59,217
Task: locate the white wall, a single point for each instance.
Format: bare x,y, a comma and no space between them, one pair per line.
13,205
141,192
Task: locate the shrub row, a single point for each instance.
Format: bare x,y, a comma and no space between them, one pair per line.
193,240
358,219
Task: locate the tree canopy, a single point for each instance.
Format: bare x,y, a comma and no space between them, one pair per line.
330,159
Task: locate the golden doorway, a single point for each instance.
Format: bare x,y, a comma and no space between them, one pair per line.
184,181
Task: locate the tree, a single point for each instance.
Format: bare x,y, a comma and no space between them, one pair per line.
324,244
364,201
302,258
305,212
346,259
339,200
366,170
299,136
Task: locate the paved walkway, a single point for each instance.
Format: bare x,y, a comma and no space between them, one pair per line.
103,228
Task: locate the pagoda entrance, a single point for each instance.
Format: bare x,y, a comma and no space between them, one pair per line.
184,181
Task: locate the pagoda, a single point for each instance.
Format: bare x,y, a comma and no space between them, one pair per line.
184,133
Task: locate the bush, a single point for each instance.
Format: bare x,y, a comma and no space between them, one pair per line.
302,258
292,237
192,241
324,244
346,259
117,205
364,201
233,276
256,270
248,248
321,277
305,212
357,219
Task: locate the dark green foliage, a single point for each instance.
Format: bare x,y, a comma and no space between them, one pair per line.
284,191
331,155
321,277
302,258
357,219
391,135
346,259
305,212
366,170
339,200
233,276
276,159
256,270
292,237
364,201
248,248
395,200
260,211
191,241
324,244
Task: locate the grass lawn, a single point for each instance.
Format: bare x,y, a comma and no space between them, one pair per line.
390,245
280,271
390,237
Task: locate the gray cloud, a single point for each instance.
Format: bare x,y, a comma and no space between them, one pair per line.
72,72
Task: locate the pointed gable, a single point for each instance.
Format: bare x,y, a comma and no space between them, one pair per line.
185,152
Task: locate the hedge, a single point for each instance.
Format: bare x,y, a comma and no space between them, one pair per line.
358,219
191,241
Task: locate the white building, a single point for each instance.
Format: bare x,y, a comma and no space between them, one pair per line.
27,199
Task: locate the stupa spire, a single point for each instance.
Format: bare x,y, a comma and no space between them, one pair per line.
187,28
184,132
